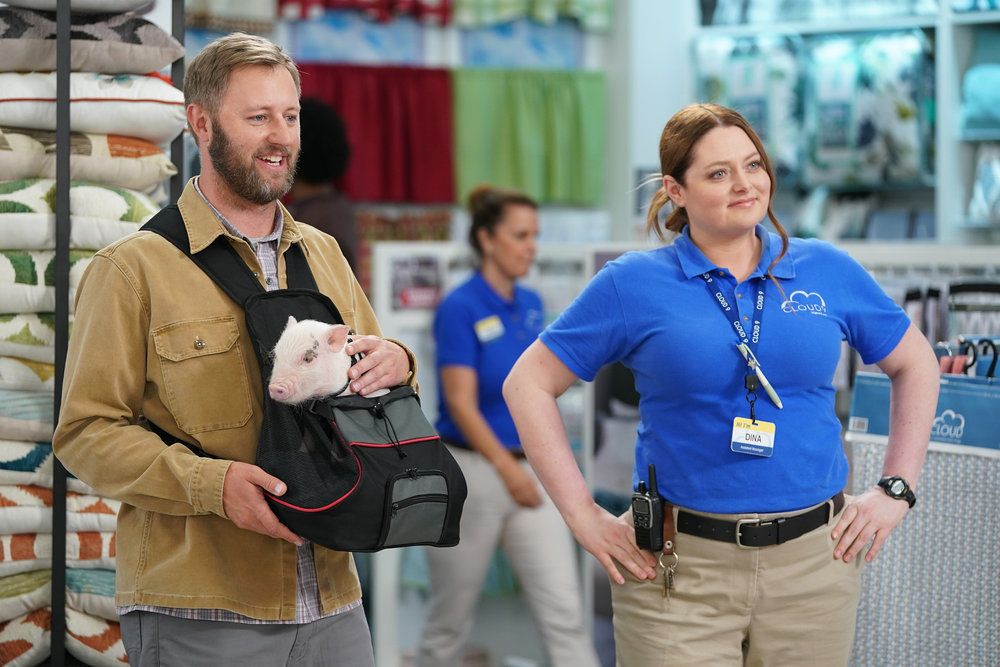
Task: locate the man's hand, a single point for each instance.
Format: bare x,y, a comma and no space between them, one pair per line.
384,364
244,504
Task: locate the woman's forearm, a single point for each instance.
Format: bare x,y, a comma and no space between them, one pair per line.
530,391
915,379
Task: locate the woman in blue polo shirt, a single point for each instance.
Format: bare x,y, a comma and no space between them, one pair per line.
732,333
480,329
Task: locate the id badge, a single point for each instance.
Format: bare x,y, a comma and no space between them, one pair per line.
756,439
488,328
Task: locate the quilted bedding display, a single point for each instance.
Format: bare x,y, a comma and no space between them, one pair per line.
137,106
99,214
27,279
120,43
112,159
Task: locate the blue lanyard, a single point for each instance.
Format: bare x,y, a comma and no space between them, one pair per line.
750,381
733,316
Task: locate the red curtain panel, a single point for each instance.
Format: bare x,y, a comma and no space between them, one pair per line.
399,124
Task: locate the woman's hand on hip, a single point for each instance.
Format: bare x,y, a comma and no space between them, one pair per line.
869,517
520,485
611,540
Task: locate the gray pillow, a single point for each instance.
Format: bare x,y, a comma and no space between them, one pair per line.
89,6
106,43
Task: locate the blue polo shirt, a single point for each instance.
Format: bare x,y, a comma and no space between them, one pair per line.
652,311
476,327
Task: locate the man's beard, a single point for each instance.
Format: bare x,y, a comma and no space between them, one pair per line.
241,176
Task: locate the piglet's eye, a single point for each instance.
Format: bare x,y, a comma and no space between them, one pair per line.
309,356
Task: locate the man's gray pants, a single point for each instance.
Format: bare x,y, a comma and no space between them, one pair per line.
158,640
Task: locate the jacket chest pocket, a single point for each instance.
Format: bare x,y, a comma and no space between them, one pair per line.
204,375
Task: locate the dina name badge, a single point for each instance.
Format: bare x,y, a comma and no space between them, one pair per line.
752,437
489,328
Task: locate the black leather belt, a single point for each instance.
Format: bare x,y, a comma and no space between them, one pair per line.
749,533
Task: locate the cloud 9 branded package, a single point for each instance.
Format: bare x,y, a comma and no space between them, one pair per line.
363,473
968,410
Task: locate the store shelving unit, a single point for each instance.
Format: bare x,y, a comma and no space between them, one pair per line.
951,35
59,656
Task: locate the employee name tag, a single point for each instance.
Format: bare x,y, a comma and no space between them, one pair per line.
489,328
749,437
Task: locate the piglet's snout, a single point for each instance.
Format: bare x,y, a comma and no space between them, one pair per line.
280,391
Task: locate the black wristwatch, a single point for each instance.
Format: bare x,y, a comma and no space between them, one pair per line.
896,487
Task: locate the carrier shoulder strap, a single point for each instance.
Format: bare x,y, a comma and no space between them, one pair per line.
221,261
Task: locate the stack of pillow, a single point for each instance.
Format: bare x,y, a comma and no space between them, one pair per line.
123,115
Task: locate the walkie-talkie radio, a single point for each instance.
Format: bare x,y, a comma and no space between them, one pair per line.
647,514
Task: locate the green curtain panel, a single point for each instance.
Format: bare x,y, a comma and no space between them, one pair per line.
593,15
541,132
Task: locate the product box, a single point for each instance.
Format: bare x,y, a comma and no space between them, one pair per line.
968,409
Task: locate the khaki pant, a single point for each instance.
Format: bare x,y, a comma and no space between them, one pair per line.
789,604
540,550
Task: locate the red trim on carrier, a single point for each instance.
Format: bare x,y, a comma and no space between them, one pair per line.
393,444
334,503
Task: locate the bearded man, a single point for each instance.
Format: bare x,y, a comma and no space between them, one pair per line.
206,574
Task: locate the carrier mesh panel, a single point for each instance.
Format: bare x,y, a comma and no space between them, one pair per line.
288,433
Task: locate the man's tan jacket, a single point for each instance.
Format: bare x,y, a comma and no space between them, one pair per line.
153,336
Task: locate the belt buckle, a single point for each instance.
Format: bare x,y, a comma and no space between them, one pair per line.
739,524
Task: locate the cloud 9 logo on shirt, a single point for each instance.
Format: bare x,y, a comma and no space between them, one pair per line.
533,320
806,302
949,425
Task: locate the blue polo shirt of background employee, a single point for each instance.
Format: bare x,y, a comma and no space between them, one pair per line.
480,329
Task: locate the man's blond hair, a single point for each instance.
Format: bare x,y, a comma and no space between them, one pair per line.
208,72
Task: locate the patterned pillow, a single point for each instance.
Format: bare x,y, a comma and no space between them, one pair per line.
27,279
26,508
24,593
25,552
92,592
28,336
89,6
138,106
86,513
26,640
26,415
25,463
31,463
112,43
100,214
114,159
26,375
95,641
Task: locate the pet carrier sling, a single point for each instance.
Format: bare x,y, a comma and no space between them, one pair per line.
363,474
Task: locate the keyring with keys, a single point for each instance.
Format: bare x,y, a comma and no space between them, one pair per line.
668,570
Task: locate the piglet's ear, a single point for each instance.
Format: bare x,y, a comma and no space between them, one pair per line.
291,321
337,337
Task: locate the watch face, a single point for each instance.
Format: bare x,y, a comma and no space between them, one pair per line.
897,487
